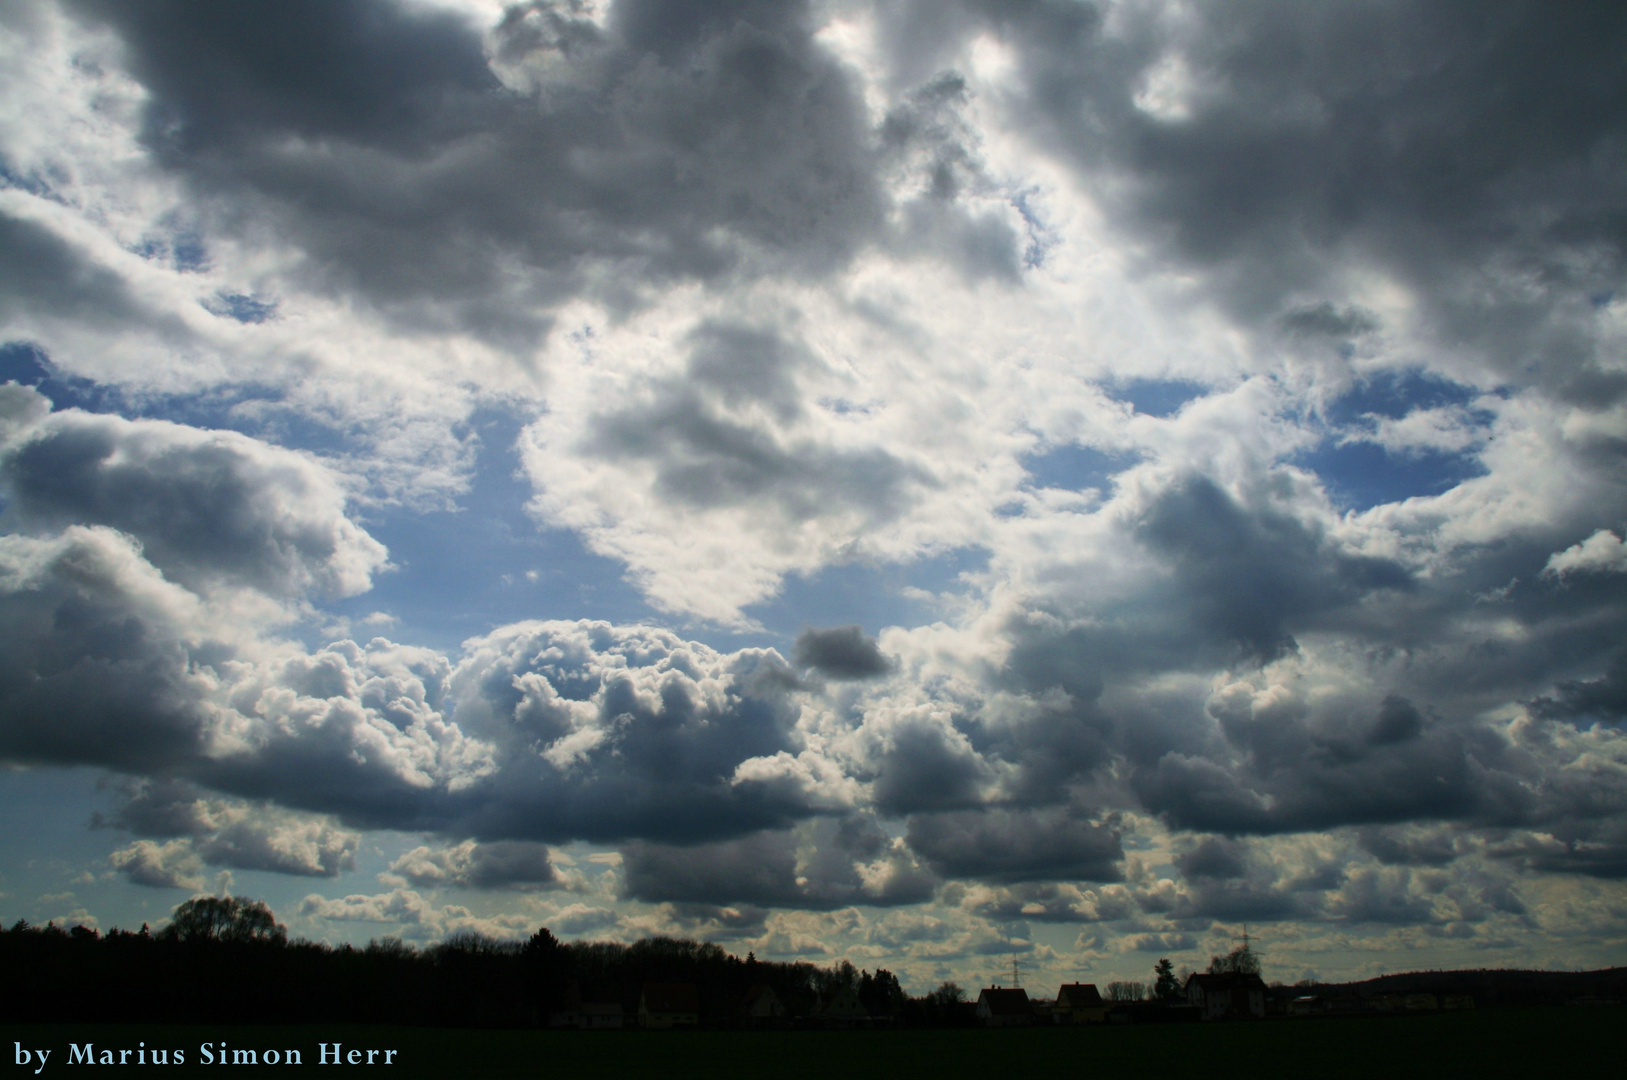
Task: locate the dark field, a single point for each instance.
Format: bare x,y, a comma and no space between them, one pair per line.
1578,1041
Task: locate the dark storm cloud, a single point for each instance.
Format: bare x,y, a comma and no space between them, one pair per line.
1255,577
1399,846
499,864
1297,776
94,670
1053,903
711,447
759,869
567,730
1325,320
110,664
41,274
926,766
1252,573
928,133
1604,698
160,807
1384,898
223,76
1009,846
1473,150
376,138
1593,848
1216,857
606,733
842,652
303,850
816,867
207,507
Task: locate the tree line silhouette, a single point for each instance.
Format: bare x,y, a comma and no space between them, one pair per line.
227,960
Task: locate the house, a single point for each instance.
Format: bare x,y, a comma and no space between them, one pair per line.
589,1016
1001,1007
602,1015
1079,1003
586,1015
761,1006
1457,1001
1307,1005
669,1005
1229,995
840,1008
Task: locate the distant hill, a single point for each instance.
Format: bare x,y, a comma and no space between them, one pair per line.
1495,987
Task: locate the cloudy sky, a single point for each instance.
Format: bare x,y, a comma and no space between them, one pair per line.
922,482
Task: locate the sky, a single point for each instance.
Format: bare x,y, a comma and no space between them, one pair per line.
925,483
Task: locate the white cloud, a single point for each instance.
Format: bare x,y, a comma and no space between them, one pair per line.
1603,552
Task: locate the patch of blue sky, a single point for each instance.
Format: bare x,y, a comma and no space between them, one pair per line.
866,595
33,183
1361,475
58,852
1076,468
243,407
244,307
1394,395
1156,397
184,250
26,364
462,572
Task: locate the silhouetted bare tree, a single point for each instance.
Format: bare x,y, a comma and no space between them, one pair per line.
224,918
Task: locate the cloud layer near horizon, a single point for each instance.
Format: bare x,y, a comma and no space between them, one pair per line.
1257,367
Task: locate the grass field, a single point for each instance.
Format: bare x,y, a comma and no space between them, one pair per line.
1485,1043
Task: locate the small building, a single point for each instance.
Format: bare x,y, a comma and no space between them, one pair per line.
586,1015
1229,995
840,1008
1457,1001
1004,1007
602,1015
1079,1003
1420,1003
761,1006
669,1005
1307,1005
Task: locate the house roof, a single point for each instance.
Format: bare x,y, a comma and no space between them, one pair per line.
671,998
1227,980
1079,996
843,1001
1004,1001
761,1000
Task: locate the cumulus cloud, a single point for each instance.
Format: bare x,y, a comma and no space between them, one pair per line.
1004,846
1255,372
302,848
825,864
649,147
207,507
408,915
500,864
842,652
1603,552
1423,175
222,832
171,865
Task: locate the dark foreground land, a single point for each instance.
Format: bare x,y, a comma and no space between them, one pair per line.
1555,1041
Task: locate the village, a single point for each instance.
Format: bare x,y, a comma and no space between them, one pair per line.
1207,996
